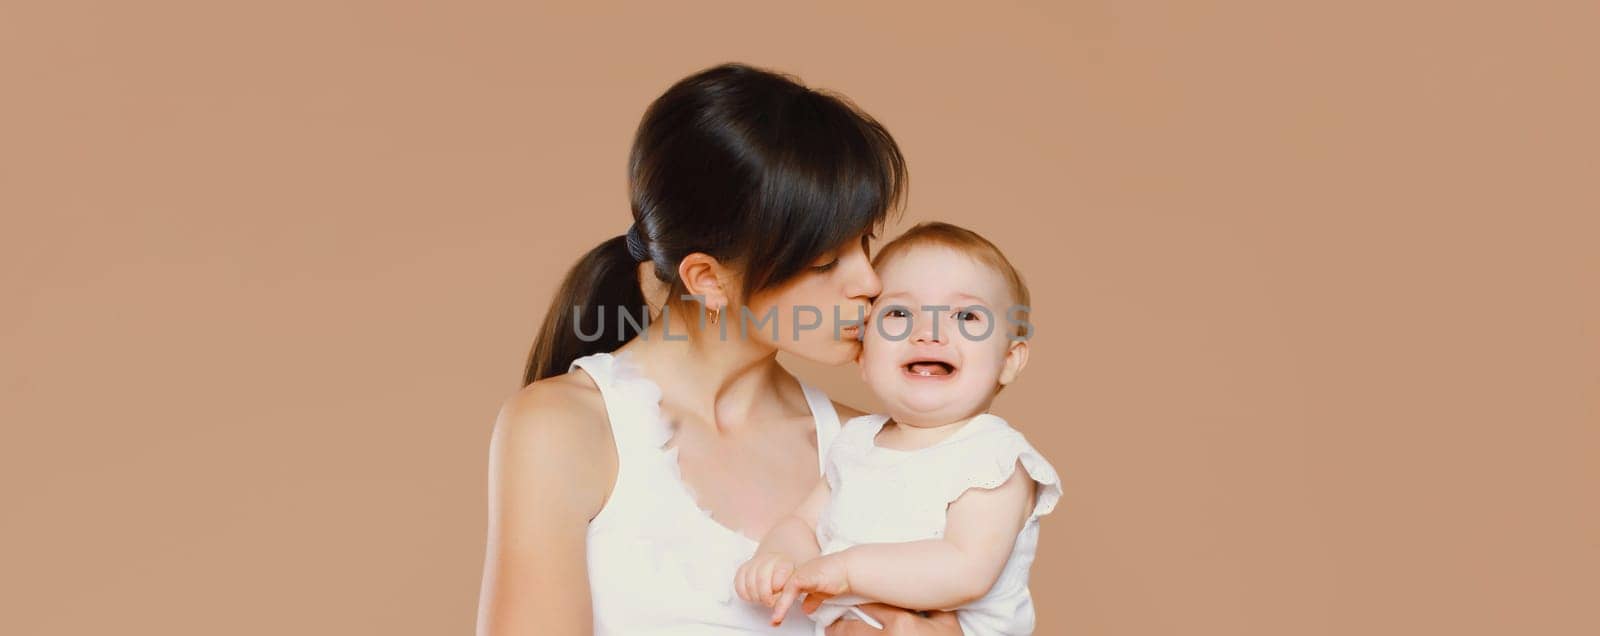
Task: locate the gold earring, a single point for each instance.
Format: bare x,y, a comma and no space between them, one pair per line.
716,314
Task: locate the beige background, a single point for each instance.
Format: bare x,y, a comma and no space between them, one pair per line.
1316,292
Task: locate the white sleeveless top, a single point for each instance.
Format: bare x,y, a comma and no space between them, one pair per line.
659,564
884,495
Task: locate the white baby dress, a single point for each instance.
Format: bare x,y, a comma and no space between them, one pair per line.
883,495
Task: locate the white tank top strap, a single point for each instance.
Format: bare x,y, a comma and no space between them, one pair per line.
827,420
622,407
633,411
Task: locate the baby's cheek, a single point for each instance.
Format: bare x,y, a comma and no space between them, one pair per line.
873,361
873,344
877,363
983,362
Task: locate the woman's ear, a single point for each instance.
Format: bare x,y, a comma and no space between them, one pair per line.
1016,358
702,276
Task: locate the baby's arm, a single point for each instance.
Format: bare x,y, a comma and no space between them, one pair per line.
796,534
793,540
933,574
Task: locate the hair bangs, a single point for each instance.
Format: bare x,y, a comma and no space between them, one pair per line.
841,177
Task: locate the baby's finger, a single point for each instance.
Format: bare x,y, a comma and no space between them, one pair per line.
790,591
743,582
761,584
752,584
780,578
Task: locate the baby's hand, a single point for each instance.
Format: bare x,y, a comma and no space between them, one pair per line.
819,578
761,578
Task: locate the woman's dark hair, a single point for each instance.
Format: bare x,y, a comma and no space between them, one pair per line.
746,165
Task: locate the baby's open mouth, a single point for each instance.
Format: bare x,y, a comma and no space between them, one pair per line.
929,368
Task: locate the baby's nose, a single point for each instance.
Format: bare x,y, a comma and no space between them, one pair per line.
929,330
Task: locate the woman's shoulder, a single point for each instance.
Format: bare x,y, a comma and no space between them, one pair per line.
551,455
569,399
558,421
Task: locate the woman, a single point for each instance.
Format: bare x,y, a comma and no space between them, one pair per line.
634,472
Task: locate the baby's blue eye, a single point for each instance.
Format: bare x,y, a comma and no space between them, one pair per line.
895,313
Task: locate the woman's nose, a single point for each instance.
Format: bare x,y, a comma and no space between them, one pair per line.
864,281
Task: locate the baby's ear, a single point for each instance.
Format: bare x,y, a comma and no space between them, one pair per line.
1016,358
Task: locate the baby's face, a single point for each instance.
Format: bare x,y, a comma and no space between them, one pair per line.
936,366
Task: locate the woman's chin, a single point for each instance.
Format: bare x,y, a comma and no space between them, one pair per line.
829,352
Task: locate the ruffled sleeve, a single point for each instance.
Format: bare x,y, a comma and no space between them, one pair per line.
988,459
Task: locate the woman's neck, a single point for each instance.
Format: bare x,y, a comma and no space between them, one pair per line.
727,382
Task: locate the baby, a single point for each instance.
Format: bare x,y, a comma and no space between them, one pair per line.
934,505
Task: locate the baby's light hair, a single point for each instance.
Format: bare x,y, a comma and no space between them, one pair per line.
967,242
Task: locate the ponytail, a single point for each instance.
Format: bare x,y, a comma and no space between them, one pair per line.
605,281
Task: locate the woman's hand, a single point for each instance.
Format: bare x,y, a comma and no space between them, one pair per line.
761,578
898,622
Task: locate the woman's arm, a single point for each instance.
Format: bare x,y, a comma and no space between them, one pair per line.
552,464
898,622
